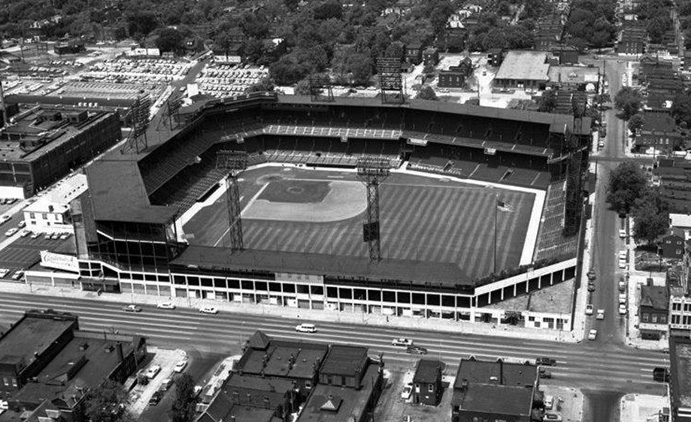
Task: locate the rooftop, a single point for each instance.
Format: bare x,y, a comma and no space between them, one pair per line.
524,65
330,403
574,74
208,257
655,297
32,334
479,383
222,409
125,200
84,362
57,199
428,371
658,122
344,360
680,371
276,359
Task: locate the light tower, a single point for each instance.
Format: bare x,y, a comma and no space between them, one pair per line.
372,171
233,162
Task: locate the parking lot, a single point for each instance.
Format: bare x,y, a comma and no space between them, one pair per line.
220,80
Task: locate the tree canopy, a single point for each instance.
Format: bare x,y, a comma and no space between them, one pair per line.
681,108
106,403
548,101
627,183
650,216
426,93
628,101
184,406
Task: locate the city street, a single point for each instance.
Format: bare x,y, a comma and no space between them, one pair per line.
589,365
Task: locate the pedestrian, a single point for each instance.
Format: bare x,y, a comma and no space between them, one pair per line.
387,318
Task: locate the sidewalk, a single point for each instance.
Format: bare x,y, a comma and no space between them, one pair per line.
642,407
306,315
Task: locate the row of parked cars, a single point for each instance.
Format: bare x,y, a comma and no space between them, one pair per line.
205,309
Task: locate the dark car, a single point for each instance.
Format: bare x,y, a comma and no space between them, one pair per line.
156,398
545,361
545,373
416,350
591,286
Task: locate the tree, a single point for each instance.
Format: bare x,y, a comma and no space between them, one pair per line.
681,108
169,39
106,403
264,85
635,122
426,93
627,183
548,101
650,216
628,101
303,87
184,406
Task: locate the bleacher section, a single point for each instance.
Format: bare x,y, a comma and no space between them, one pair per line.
551,242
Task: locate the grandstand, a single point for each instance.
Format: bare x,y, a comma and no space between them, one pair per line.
491,146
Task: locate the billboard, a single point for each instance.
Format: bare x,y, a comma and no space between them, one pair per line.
59,261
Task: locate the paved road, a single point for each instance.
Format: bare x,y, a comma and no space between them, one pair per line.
586,365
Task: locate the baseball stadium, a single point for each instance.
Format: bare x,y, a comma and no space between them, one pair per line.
475,205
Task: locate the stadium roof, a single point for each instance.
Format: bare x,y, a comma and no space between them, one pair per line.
118,194
70,101
215,258
524,66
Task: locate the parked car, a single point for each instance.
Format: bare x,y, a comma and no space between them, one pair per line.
156,398
132,308
591,286
152,371
548,402
416,350
622,233
46,236
622,309
21,224
406,342
306,328
600,314
166,384
24,233
55,236
622,298
18,274
35,235
166,305
589,309
552,417
65,236
4,272
545,361
407,392
206,309
180,366
622,285
11,232
592,334
545,373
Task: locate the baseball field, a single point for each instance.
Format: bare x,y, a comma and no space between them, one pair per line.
317,211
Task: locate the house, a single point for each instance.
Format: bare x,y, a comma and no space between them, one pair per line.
427,387
523,69
658,131
51,212
495,390
413,52
632,41
671,246
455,76
350,384
430,57
654,312
495,56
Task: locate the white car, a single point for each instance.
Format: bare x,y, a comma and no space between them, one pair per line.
622,233
208,310
21,224
166,305
622,309
600,314
152,371
589,309
35,235
407,391
406,342
11,232
306,328
180,366
622,298
65,236
622,255
592,334
24,233
622,264
18,274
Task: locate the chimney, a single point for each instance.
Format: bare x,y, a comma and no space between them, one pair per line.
121,356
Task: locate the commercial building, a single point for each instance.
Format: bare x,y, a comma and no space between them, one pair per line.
494,391
680,378
44,143
455,76
47,364
523,70
654,312
51,212
633,40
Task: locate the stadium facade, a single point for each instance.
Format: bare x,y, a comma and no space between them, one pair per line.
127,240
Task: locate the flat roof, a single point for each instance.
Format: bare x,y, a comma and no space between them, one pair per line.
680,371
215,258
348,402
524,65
344,360
428,371
574,74
60,195
305,356
59,379
118,194
483,399
30,335
495,373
